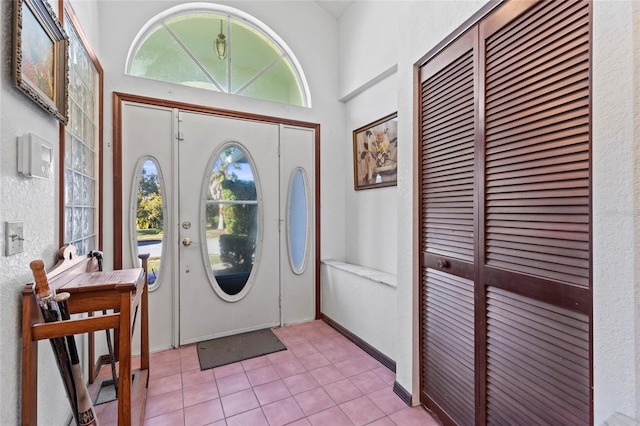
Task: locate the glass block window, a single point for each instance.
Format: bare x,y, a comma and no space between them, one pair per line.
218,48
81,147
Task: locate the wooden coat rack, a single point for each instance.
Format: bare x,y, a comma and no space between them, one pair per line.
122,291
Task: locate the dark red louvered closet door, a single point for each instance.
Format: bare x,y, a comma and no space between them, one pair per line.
448,237
525,281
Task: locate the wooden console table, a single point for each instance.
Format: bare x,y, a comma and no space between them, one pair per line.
121,291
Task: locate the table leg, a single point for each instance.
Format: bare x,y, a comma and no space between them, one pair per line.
144,330
124,382
29,362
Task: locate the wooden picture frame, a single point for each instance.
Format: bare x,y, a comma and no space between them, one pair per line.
375,154
41,56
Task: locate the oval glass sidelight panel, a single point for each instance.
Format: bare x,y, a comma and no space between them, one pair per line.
231,221
297,220
148,210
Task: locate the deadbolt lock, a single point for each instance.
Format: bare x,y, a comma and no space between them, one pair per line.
186,224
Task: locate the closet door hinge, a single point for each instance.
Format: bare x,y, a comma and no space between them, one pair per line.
180,135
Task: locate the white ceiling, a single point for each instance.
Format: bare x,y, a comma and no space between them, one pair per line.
335,7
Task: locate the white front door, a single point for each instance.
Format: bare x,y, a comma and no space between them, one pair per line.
297,214
211,282
229,273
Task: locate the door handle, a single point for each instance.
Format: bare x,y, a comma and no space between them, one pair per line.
443,264
186,242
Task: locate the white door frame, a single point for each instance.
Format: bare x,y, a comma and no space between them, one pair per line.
119,190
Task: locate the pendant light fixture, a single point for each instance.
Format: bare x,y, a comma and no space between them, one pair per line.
220,45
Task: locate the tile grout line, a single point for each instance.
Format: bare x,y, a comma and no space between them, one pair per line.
300,343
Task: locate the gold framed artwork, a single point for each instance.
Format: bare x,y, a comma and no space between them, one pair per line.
375,153
40,56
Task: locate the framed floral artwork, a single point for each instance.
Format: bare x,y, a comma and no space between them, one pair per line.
375,153
40,56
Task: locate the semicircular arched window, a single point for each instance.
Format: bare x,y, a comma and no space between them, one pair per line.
218,48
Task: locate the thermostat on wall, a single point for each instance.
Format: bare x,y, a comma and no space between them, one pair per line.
35,156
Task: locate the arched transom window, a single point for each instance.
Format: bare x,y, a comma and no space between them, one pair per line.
218,48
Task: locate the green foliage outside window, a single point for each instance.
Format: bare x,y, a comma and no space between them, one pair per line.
239,218
237,247
149,205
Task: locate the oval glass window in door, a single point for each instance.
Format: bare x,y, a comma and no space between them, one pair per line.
297,220
148,217
231,221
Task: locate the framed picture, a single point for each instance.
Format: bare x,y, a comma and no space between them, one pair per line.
40,56
375,153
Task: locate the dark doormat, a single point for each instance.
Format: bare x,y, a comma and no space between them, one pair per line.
230,349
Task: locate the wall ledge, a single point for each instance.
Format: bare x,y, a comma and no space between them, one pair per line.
375,80
372,274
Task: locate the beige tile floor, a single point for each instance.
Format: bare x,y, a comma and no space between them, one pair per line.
321,379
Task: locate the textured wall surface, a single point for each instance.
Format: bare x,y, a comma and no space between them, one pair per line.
615,209
636,205
369,40
36,203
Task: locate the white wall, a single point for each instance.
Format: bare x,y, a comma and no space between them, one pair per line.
368,47
36,203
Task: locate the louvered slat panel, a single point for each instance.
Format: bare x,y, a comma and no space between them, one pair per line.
537,144
448,343
515,35
537,362
576,245
519,99
510,202
448,160
512,122
560,129
535,36
527,146
544,59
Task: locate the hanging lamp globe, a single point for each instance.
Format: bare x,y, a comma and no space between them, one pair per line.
220,44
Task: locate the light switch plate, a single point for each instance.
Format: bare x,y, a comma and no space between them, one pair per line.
13,237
